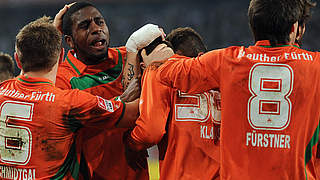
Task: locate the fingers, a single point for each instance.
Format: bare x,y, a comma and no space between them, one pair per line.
160,47
163,35
57,22
143,53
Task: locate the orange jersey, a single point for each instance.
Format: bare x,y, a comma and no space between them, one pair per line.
104,151
187,126
269,101
38,125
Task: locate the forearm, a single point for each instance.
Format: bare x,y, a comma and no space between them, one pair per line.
131,69
131,113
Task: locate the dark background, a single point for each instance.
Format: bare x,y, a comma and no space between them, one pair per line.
221,23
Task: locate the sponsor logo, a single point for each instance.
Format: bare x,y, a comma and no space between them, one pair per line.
105,104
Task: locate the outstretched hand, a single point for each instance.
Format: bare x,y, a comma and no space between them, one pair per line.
160,54
57,22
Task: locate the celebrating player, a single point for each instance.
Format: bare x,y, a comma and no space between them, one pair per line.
265,132
39,120
94,67
184,126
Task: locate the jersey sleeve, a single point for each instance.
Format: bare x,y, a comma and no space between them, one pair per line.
87,110
192,75
123,52
154,111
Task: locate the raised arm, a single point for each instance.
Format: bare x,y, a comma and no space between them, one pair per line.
138,40
192,75
154,112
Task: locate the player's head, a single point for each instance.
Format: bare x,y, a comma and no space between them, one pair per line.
86,32
6,67
38,46
304,19
186,41
275,20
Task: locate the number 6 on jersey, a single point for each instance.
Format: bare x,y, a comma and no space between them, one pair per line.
15,141
269,107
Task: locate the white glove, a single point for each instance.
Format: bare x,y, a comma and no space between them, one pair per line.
143,37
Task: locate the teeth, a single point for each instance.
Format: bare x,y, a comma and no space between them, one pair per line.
99,43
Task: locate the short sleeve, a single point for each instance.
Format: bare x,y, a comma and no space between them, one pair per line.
154,112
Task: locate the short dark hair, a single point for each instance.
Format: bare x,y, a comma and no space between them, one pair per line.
187,40
38,45
273,19
67,22
6,66
306,11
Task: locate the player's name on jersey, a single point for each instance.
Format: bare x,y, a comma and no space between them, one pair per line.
17,173
266,58
33,96
206,132
266,140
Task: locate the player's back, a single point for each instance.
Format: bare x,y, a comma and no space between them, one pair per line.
38,122
270,114
269,107
190,149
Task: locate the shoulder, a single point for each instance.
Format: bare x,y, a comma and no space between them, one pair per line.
72,96
118,51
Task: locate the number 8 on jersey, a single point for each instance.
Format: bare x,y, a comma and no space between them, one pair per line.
269,107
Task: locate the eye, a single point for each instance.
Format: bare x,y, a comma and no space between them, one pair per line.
99,21
84,25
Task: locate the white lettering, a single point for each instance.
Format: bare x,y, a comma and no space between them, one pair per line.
256,139
265,58
8,172
35,96
202,131
287,142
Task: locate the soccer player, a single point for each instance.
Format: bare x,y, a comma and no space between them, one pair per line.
185,126
269,95
38,120
93,67
6,67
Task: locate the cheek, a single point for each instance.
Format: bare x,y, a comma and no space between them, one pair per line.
80,39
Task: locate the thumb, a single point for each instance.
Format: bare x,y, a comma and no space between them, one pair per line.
143,53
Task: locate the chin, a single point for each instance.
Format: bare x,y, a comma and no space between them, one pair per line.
102,55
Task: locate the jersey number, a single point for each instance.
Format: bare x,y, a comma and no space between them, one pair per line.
205,105
269,107
15,141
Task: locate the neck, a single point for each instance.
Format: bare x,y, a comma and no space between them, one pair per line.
90,60
50,75
47,75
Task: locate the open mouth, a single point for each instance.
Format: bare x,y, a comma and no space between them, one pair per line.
98,44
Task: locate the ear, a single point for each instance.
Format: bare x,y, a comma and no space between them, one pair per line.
69,41
61,57
301,30
143,66
16,57
292,29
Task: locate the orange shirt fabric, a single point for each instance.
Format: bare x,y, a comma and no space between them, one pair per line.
38,125
184,126
269,107
103,150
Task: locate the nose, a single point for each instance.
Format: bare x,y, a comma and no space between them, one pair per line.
95,28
